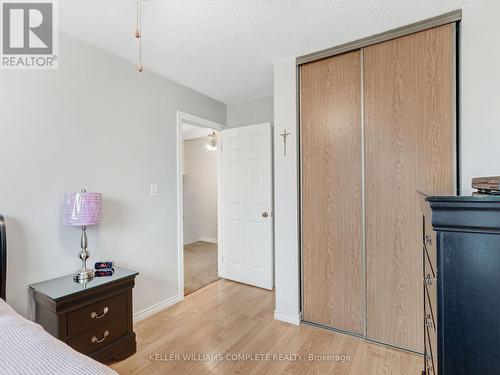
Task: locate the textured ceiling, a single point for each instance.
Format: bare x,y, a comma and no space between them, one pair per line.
226,48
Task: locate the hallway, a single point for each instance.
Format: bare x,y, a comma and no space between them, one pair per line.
200,265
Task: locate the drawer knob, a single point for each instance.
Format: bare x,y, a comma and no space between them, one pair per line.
428,239
428,321
428,279
94,315
97,341
430,369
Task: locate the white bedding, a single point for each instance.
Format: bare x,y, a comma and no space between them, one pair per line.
25,348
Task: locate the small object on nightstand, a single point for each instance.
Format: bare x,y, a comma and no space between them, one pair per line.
103,265
94,319
104,272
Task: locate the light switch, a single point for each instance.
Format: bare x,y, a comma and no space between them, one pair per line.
155,191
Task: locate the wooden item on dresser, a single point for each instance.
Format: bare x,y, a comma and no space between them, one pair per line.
461,251
409,146
93,318
331,192
490,185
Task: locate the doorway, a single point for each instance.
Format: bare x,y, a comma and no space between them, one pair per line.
244,225
198,201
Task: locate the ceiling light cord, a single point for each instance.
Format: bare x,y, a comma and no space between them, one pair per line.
138,34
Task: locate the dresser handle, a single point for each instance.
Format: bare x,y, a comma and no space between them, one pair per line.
428,279
104,312
428,240
96,340
428,321
430,369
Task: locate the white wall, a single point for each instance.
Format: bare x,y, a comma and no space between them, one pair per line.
199,191
480,134
94,123
286,239
251,112
480,91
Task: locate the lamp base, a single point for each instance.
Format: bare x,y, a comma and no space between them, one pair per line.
84,276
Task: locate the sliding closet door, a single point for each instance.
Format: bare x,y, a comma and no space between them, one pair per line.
331,192
409,128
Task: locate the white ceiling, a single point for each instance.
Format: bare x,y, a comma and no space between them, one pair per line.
226,48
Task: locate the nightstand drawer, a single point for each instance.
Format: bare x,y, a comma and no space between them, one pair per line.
100,336
91,316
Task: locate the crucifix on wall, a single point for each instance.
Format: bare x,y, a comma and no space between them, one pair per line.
285,135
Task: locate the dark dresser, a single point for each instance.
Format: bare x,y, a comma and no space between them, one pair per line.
461,251
93,318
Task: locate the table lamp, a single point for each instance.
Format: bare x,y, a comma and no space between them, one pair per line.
83,209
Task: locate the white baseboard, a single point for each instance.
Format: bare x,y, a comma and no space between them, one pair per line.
292,319
208,239
149,311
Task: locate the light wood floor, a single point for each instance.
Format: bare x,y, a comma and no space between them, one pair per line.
200,265
227,318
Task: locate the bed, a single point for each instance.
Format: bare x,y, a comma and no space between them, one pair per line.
25,348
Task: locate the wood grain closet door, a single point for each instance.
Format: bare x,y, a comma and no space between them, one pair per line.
409,138
331,192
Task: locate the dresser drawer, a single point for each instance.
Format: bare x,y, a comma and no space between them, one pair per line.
430,295
430,291
96,314
430,366
100,336
430,351
430,333
429,240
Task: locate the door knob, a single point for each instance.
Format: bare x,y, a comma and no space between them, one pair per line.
265,214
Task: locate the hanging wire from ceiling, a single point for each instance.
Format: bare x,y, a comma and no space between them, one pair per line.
138,34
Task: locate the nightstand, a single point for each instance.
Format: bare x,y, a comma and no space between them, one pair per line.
93,318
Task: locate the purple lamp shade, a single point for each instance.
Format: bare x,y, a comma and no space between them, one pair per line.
82,209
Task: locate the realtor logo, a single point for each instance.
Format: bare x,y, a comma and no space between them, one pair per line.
28,36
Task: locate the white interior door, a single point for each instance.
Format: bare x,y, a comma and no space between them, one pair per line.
247,223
